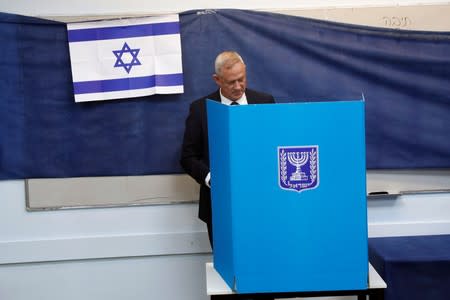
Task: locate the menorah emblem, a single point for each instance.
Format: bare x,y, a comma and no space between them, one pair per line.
298,159
298,167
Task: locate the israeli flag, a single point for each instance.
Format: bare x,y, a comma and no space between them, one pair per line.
125,58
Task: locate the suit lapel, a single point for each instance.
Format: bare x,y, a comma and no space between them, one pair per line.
249,95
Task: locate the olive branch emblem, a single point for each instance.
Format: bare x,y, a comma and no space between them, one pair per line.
283,169
313,165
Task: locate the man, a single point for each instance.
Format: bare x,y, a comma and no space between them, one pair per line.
230,77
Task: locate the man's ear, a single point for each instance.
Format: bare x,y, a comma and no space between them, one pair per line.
216,79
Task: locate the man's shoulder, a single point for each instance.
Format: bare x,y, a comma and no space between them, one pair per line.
261,97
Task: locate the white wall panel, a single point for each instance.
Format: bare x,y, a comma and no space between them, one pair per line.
102,7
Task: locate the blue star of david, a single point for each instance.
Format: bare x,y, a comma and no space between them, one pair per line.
120,63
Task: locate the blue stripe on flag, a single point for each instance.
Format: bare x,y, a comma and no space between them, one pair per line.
126,31
112,85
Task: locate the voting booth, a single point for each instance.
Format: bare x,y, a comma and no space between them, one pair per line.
289,196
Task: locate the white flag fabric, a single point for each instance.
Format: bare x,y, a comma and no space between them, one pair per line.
125,58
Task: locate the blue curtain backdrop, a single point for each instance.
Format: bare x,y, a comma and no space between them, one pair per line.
404,76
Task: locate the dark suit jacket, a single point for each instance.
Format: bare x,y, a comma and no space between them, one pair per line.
195,153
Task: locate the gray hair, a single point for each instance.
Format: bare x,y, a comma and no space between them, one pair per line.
226,59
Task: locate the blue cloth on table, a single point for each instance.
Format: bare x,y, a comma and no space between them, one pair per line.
413,267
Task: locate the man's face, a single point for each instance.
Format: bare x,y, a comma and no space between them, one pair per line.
232,81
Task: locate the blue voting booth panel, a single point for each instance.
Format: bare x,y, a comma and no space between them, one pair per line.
289,196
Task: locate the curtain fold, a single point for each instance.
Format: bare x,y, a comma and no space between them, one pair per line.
403,75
